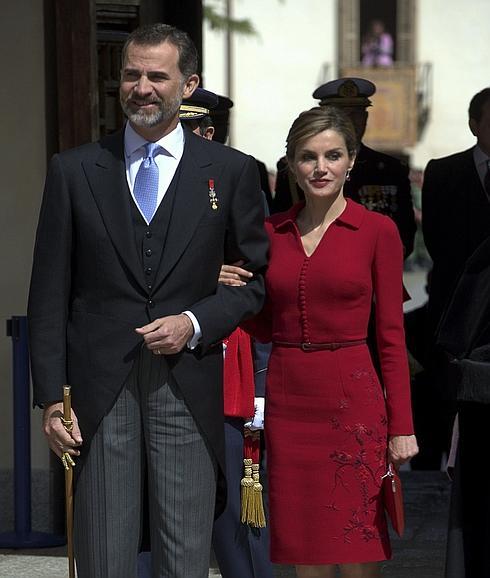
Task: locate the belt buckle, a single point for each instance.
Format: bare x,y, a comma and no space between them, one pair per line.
306,346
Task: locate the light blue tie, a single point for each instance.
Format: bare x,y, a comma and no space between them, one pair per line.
146,182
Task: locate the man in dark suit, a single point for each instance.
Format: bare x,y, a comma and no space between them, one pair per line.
464,335
456,207
378,181
124,306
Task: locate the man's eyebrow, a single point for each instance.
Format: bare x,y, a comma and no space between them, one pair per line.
132,69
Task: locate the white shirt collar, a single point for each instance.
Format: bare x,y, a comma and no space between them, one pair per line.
173,142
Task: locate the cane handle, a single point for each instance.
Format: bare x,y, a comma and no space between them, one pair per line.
66,419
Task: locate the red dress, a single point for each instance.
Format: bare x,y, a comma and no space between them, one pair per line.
327,416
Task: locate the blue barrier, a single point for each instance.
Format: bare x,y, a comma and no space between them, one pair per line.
23,536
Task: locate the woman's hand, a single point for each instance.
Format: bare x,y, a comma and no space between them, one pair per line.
401,449
233,275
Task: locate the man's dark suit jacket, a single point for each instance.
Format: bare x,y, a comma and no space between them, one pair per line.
464,330
455,220
88,291
378,181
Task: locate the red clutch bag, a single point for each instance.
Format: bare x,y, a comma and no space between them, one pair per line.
393,499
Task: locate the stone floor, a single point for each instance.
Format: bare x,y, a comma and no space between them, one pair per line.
420,554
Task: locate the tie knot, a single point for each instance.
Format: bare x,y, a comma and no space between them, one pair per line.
151,149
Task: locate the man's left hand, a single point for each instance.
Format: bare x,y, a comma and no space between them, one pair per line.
167,335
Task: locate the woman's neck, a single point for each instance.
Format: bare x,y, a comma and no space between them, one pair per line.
320,212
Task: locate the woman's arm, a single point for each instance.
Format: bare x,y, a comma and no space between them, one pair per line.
390,335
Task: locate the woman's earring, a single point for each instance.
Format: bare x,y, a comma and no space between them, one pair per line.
347,174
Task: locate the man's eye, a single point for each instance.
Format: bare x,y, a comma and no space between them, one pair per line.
157,77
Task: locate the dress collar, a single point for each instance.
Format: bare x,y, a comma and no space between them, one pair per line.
351,216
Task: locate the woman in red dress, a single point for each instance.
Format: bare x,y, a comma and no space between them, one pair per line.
331,426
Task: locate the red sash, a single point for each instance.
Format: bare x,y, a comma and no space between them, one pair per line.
239,386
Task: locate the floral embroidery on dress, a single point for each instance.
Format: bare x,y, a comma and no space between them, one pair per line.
359,373
367,472
343,403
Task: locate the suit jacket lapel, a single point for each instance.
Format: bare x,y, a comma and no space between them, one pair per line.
107,180
191,200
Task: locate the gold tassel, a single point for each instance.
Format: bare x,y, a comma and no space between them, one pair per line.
258,514
247,485
252,503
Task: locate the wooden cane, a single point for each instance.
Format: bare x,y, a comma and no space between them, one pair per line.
68,463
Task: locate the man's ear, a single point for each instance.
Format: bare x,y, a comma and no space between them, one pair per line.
209,133
190,85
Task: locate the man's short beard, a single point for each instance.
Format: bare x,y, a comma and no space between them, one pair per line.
165,111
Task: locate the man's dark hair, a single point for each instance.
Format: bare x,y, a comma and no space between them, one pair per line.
202,123
477,103
155,34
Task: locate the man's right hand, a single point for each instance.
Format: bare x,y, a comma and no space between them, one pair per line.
59,440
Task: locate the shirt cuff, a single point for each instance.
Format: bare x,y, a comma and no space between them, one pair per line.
194,340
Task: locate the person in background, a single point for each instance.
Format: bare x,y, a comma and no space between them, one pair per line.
241,551
331,426
456,207
378,181
463,335
377,46
221,121
124,306
433,416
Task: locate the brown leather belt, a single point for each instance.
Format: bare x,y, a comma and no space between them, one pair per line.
320,346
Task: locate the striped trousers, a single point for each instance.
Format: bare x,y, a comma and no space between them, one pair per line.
149,426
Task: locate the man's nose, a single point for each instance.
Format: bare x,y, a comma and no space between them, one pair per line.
143,86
